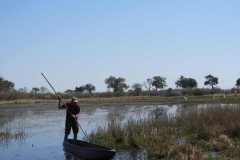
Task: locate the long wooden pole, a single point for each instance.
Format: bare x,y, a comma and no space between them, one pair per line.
57,96
49,83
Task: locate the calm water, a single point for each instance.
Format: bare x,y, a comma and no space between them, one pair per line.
43,126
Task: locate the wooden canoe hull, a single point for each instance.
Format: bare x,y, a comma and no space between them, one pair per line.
88,151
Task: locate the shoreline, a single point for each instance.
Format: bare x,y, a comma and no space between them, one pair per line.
132,100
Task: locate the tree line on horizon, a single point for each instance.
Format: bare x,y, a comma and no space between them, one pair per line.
118,86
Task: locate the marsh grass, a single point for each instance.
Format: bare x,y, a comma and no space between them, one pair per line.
16,101
191,135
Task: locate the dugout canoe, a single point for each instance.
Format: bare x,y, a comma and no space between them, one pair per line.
88,151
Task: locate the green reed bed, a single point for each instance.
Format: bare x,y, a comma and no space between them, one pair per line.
196,134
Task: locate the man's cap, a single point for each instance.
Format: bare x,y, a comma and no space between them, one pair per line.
74,99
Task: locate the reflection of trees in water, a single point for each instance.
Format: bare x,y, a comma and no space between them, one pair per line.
88,110
171,111
158,113
24,113
117,113
8,116
187,108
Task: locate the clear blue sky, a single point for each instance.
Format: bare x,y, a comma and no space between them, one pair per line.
75,41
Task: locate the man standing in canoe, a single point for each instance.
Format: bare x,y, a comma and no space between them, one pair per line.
72,112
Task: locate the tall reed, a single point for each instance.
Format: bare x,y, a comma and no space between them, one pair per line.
193,134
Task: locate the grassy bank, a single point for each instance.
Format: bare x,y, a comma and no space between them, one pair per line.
137,100
212,133
17,101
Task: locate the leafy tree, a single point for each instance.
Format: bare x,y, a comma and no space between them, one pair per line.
111,83
238,83
69,91
137,87
80,89
159,82
6,85
211,81
35,90
90,88
117,84
184,82
169,92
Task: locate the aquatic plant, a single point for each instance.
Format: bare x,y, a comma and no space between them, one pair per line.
194,134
